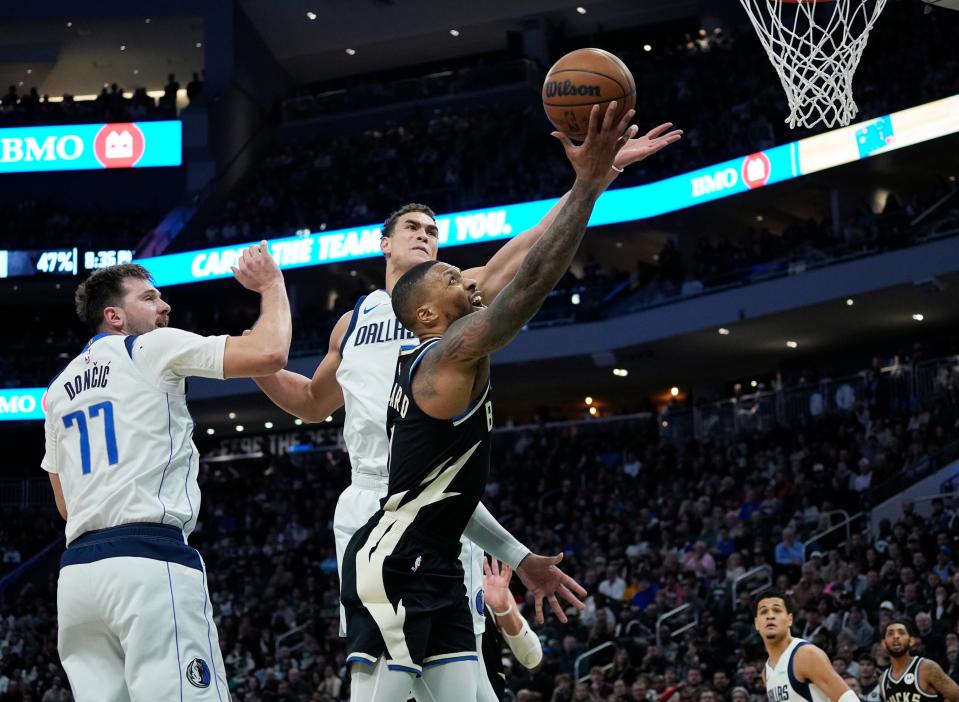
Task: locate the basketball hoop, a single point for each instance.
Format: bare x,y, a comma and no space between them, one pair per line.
815,47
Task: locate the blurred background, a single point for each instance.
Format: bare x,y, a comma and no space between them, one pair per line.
739,382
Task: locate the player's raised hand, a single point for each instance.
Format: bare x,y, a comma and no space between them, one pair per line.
256,269
496,577
541,576
653,141
593,160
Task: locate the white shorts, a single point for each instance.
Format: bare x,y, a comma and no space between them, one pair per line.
135,619
360,501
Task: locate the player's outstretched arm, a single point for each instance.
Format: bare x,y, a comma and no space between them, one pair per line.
477,335
266,348
812,665
934,678
485,531
311,399
504,264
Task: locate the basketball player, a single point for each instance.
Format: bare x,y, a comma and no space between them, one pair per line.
357,372
402,581
135,619
911,678
796,669
506,620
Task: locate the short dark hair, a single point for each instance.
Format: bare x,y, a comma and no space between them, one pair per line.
901,621
391,221
773,594
407,296
103,289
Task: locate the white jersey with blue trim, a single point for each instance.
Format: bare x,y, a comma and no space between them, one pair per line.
119,434
782,684
368,353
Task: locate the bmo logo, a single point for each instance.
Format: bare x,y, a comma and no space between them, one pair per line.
715,182
756,170
119,145
18,404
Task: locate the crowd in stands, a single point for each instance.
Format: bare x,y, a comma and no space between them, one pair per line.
645,524
111,105
719,88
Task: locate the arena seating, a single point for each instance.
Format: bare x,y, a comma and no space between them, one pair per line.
647,523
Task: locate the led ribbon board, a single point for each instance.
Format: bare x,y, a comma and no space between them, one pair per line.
77,147
756,170
17,404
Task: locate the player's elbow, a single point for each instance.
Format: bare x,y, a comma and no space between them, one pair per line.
274,360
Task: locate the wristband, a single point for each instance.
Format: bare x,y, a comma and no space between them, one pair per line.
501,614
618,170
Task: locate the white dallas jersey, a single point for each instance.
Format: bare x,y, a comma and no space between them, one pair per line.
118,432
782,684
369,351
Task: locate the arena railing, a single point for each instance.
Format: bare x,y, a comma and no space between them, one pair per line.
817,540
687,608
763,574
588,656
899,385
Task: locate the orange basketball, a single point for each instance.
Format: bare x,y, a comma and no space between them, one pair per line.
581,79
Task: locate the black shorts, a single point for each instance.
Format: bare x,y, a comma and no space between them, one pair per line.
404,597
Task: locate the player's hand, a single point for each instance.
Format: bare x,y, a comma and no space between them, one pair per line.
653,141
541,576
593,159
496,577
256,269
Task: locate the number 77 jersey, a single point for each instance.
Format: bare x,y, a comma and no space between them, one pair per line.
119,434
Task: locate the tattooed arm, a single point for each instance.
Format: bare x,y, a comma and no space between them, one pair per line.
449,375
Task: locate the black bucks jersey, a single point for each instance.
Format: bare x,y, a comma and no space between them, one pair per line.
905,688
438,467
403,588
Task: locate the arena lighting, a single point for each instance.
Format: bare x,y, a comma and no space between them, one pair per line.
147,20
723,331
311,16
298,422
454,32
588,400
738,175
753,383
211,431
123,47
574,299
850,302
620,372
199,45
267,425
581,10
674,391
350,52
647,48
29,71
69,24
792,344
593,411
232,415
918,317
239,427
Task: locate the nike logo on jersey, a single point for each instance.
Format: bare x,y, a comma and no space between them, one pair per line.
367,310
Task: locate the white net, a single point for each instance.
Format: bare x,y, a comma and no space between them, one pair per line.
815,47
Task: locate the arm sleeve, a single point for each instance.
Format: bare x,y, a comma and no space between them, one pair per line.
49,462
489,535
169,355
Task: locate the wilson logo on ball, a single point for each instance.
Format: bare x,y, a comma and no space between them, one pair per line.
119,145
564,88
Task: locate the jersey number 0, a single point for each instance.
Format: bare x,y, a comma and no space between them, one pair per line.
78,418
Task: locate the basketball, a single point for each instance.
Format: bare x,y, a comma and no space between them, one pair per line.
581,79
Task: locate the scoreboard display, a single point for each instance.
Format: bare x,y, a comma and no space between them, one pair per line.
58,262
